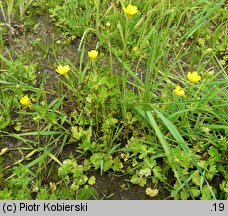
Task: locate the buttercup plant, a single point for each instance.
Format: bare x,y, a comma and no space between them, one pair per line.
62,70
130,11
132,112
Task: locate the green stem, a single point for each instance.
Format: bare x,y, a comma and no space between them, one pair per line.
125,36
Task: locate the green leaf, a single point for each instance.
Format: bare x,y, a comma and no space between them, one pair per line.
86,193
196,192
184,195
150,162
157,172
211,172
143,152
134,76
96,160
164,143
206,194
214,154
134,179
92,180
196,178
86,165
42,194
77,133
118,165
108,164
142,181
54,158
145,172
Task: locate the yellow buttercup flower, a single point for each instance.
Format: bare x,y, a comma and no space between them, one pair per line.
193,77
25,100
178,91
62,69
93,54
130,10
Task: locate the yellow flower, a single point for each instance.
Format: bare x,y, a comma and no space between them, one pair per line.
152,193
25,100
130,10
62,69
108,24
93,54
178,91
193,77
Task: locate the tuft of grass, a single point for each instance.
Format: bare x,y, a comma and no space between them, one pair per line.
116,113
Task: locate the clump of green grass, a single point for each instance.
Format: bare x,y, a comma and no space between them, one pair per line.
149,102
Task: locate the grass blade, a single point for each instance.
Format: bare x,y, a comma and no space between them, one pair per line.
200,22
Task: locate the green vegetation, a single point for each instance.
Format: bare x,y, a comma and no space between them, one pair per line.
91,87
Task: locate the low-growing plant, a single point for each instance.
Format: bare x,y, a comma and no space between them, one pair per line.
137,91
